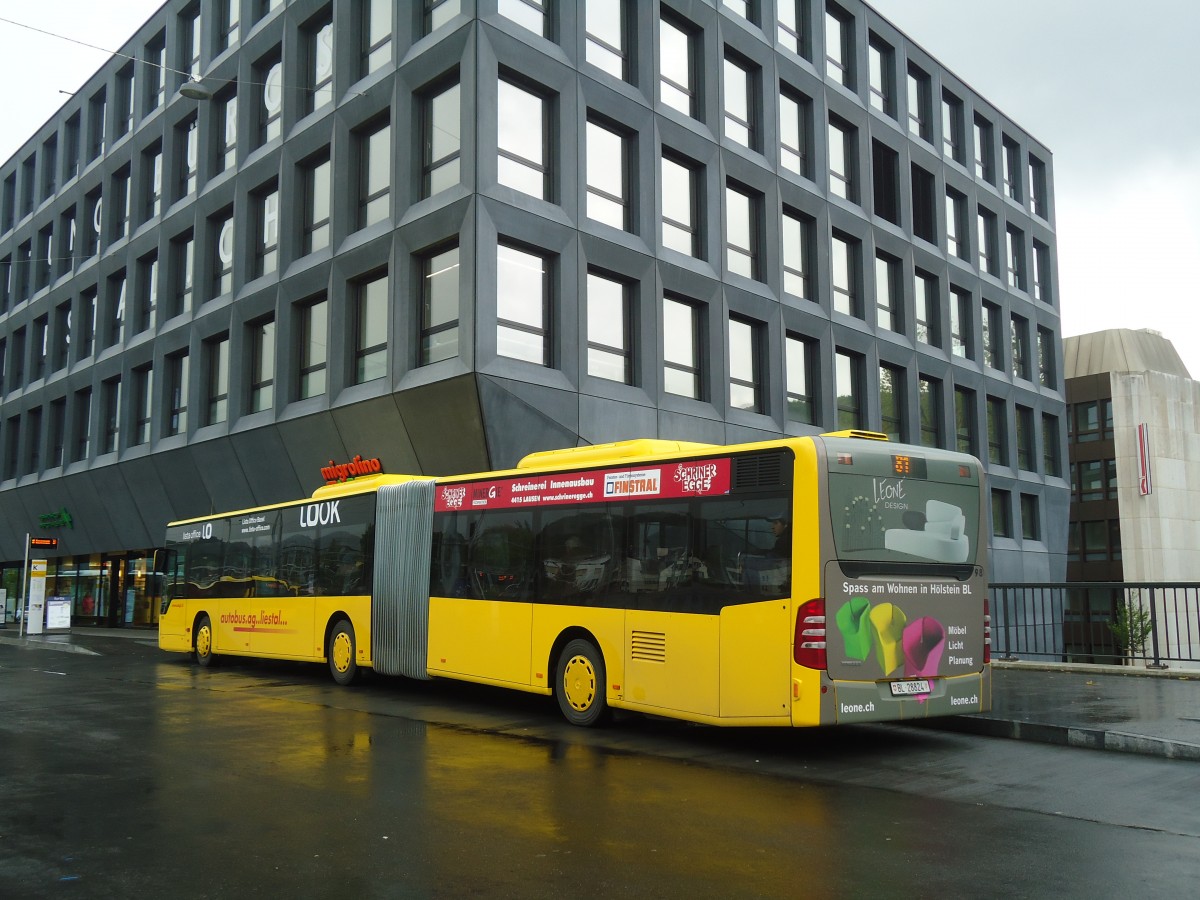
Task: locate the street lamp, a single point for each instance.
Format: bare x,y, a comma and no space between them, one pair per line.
194,90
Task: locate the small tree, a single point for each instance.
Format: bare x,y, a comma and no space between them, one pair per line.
1132,626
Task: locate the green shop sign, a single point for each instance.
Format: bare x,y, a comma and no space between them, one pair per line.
60,519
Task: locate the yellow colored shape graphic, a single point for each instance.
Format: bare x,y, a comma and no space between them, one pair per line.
887,623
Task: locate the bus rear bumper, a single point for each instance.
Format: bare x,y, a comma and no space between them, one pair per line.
874,701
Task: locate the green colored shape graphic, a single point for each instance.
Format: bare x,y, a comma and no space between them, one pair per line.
854,623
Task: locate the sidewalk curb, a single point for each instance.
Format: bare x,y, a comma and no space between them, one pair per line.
1068,736
36,642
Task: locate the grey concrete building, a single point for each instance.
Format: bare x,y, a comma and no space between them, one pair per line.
447,234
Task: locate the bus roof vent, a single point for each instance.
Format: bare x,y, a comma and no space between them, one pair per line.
758,470
856,433
617,451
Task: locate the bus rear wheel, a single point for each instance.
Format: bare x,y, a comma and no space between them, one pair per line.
579,685
204,642
343,664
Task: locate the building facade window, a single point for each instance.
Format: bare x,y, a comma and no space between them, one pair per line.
439,306
1031,520
920,103
1039,190
374,173
371,329
1051,455
797,254
881,64
606,36
793,24
745,365
312,348
929,397
887,295
438,13
110,415
177,394
531,14
220,236
800,368
891,402
682,371
522,127
848,386
1001,513
376,35
262,364
960,323
1025,439
885,182
442,143
143,389
926,307
318,188
187,149
795,132
522,305
1015,241
677,74
965,438
741,101
266,227
225,157
845,263
741,232
1041,273
997,428
839,46
985,164
146,311
607,176
986,237
609,336
1011,168
318,50
1047,370
991,336
843,152
1021,358
182,274
680,207
953,141
216,364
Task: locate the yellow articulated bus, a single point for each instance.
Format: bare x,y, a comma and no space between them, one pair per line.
803,581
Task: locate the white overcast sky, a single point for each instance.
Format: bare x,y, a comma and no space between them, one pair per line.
1108,85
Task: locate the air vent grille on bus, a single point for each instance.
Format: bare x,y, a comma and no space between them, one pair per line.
760,470
648,646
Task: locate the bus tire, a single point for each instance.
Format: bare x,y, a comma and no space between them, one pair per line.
343,663
579,684
204,642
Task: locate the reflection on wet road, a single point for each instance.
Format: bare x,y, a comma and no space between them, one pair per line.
135,778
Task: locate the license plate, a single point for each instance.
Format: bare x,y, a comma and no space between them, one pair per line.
908,688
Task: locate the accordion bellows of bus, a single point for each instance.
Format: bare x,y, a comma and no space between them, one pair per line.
794,582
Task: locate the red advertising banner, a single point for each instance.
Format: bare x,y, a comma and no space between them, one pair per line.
695,478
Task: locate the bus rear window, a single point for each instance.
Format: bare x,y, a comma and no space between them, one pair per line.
897,520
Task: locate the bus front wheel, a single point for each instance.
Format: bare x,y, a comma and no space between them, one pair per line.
580,683
204,642
342,662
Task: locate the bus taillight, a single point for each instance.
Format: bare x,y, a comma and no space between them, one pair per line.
809,648
987,631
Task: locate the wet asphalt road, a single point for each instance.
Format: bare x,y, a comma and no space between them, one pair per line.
136,774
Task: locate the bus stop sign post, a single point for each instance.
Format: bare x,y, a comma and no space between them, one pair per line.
30,541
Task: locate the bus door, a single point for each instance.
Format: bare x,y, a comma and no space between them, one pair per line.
164,590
